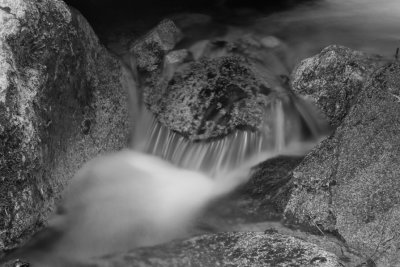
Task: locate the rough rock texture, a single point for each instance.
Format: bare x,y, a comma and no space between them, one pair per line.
227,249
349,184
211,97
150,50
270,60
270,178
172,61
61,103
270,175
333,79
223,86
258,200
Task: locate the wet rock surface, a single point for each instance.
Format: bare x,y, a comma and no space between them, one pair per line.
349,184
261,199
150,50
211,97
61,103
220,85
227,249
270,180
333,79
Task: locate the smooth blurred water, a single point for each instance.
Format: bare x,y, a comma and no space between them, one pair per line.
366,25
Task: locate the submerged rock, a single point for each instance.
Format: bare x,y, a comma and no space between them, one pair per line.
212,97
349,185
61,103
227,249
333,79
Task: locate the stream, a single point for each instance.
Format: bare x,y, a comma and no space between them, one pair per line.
155,191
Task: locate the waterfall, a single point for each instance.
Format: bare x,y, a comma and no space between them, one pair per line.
212,156
215,156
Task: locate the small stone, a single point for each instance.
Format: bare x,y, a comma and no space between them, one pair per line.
333,78
177,56
173,60
151,49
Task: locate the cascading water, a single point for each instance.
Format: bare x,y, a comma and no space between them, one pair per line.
132,199
137,198
213,156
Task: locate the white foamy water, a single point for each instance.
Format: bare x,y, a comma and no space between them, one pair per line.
214,156
153,194
131,199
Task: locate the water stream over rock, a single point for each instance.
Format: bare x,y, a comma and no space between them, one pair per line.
155,191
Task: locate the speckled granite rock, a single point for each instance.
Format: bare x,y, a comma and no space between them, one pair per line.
263,198
349,184
61,103
211,97
270,62
193,98
269,179
333,79
150,50
227,249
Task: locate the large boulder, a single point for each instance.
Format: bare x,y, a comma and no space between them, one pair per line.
211,97
333,78
61,103
218,86
227,249
349,185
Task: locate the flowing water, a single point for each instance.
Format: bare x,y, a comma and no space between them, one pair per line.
131,198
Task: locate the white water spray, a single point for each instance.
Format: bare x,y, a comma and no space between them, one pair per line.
216,156
130,199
